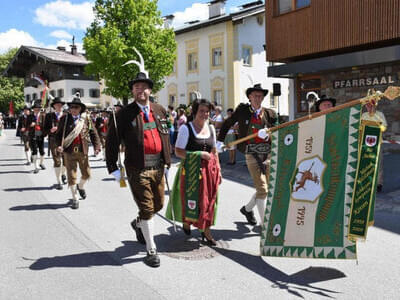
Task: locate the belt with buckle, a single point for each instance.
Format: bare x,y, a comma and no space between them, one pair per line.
261,148
76,148
152,161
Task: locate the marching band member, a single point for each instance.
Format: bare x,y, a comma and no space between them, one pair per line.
252,117
72,137
24,131
36,135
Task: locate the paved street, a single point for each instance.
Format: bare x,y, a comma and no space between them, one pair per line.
49,251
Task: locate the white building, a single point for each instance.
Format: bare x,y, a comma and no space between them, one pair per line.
221,57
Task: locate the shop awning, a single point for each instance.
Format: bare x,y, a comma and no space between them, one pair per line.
342,61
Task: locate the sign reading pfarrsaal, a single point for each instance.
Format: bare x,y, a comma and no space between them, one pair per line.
366,81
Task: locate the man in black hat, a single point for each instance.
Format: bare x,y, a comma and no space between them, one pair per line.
324,103
142,127
24,132
73,133
36,135
252,117
50,129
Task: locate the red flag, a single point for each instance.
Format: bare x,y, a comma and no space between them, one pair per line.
11,109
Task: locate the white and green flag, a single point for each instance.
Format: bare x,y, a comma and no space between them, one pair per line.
313,166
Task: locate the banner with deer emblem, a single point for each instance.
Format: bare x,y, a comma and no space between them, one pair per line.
312,171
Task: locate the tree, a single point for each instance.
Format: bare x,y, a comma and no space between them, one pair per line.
119,26
10,88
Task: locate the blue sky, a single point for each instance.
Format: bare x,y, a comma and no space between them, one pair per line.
51,23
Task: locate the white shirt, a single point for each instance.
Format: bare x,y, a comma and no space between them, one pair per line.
183,135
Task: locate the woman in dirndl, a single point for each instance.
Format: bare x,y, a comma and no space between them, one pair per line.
194,193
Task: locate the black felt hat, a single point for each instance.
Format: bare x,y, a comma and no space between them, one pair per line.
256,87
322,99
56,100
37,104
141,77
26,107
77,101
119,104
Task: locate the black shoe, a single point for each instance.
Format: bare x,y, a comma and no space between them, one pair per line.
152,259
139,233
64,179
210,242
42,167
75,204
379,188
58,187
28,163
35,171
186,230
82,192
249,216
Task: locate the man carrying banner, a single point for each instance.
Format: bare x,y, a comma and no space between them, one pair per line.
24,131
72,138
251,117
50,129
142,127
36,135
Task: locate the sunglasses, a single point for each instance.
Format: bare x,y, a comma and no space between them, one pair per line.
75,106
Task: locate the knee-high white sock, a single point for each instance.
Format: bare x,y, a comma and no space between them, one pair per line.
34,159
249,206
41,159
261,208
147,227
62,170
82,183
57,170
27,156
73,191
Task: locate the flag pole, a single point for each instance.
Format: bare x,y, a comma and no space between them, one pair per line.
390,93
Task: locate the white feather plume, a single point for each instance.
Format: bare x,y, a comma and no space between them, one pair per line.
139,64
198,95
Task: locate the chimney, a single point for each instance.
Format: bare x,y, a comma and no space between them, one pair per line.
168,21
216,8
61,48
74,50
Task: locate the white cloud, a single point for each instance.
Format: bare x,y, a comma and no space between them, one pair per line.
64,14
15,38
233,9
198,11
61,34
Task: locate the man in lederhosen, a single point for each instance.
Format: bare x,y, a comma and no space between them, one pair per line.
252,117
50,128
142,127
102,123
24,132
36,135
72,136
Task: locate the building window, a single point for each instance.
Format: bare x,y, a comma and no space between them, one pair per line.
34,96
94,93
78,90
246,55
53,93
60,93
192,61
27,98
305,85
217,97
216,57
192,97
284,6
172,99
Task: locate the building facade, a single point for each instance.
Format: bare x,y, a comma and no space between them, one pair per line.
336,48
63,70
221,57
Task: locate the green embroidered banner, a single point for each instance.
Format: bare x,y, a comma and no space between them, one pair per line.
192,182
312,173
364,191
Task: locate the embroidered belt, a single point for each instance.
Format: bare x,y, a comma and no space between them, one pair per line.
76,148
152,161
261,148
